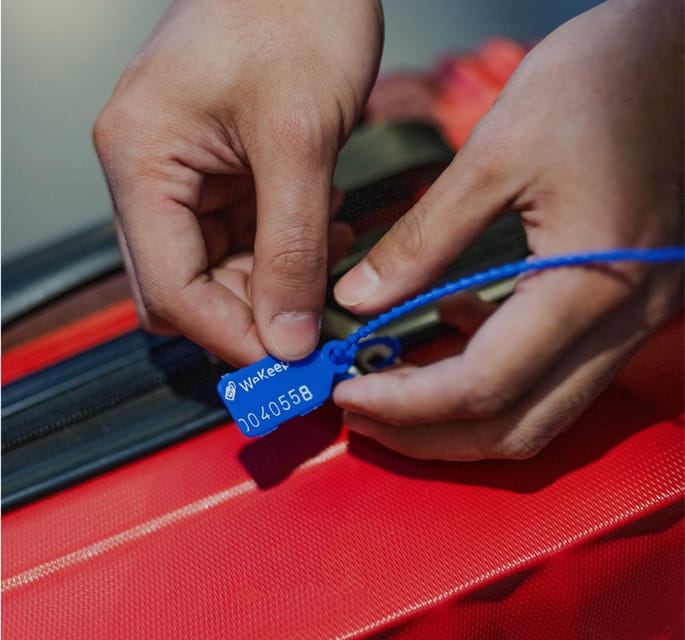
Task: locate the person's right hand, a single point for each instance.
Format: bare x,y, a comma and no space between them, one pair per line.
232,115
586,142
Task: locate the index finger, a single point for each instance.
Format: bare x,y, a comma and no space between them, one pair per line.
549,313
169,258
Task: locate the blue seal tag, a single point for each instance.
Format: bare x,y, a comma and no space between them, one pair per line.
265,394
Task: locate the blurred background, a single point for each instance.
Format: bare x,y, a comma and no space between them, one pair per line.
60,62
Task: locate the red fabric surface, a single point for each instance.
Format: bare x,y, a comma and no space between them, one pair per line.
68,341
304,534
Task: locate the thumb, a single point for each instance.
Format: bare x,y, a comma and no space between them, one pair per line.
459,206
289,278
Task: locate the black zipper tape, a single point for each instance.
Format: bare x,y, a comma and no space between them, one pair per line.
102,408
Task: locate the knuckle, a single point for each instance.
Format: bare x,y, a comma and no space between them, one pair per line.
155,309
485,400
408,237
521,446
298,257
301,131
103,131
115,123
149,317
484,154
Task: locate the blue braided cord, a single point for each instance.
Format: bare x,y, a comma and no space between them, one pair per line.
666,254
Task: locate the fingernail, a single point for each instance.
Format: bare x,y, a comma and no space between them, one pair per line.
294,335
357,286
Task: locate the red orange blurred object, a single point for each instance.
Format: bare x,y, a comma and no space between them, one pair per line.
454,96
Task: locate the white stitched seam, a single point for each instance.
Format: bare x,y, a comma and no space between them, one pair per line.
151,526
395,616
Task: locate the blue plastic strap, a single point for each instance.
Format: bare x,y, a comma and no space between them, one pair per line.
667,254
269,392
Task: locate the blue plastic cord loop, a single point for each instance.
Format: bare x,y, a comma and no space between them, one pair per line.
667,254
340,354
392,343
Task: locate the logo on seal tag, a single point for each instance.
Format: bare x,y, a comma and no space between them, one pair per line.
229,394
269,392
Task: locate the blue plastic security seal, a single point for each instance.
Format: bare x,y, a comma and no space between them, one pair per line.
269,392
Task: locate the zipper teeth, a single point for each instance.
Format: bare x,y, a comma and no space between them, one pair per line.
20,431
76,371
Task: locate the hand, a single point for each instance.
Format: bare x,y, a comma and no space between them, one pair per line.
585,141
231,117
